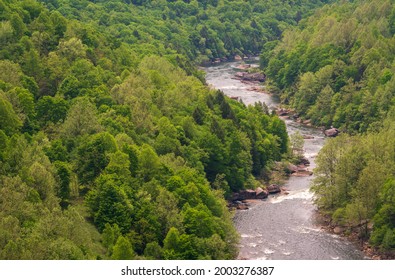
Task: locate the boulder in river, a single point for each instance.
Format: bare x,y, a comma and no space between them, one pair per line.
259,193
339,230
273,188
237,204
243,66
304,161
332,132
242,207
251,77
282,112
238,57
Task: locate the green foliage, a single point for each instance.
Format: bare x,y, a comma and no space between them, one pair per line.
153,251
297,144
9,121
354,183
122,250
336,67
110,235
64,179
31,230
51,109
93,156
111,145
81,119
110,204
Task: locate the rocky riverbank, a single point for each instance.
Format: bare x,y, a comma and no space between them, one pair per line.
352,234
290,114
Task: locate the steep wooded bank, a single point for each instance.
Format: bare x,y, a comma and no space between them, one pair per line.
337,68
355,185
109,146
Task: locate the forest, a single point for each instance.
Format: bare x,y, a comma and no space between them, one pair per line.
336,67
113,147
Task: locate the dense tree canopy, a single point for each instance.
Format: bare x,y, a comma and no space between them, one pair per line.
336,67
111,146
355,183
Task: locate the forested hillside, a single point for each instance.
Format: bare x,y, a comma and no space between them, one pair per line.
201,30
336,68
355,185
110,144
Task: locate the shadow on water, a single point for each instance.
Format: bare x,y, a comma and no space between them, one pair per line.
283,226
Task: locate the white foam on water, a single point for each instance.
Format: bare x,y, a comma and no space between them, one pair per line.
250,235
268,251
287,253
233,87
313,229
306,194
306,229
335,258
253,245
310,155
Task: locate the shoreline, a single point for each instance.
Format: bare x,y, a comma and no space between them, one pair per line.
369,251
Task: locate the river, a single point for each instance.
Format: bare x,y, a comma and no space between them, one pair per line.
282,226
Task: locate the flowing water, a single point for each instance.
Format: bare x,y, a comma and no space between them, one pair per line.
282,226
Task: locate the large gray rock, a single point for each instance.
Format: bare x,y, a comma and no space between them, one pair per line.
332,132
273,188
251,77
259,193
